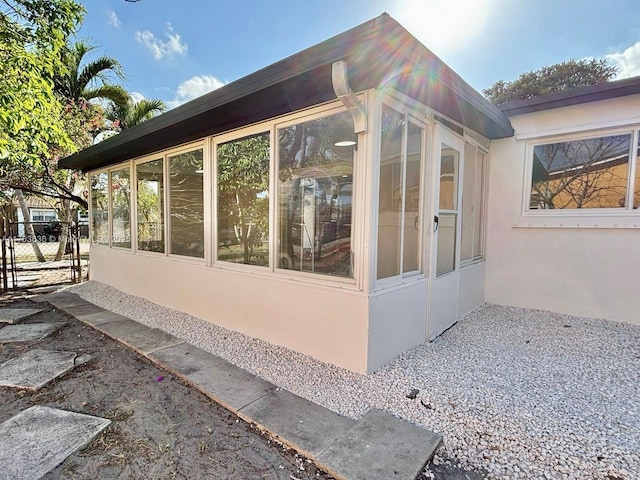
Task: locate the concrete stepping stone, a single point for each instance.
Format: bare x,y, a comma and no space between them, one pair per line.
36,368
15,315
380,446
28,332
40,438
300,423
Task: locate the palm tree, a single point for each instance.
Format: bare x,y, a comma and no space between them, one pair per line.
133,112
91,80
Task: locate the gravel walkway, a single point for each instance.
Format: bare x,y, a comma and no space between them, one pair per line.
516,393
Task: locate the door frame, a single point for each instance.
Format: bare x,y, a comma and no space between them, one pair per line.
448,283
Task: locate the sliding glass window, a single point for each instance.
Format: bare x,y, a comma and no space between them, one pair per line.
243,200
186,204
100,208
315,188
121,207
399,207
150,205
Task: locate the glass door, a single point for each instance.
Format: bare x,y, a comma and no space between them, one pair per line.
443,310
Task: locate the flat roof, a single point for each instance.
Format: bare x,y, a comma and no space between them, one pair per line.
380,53
593,93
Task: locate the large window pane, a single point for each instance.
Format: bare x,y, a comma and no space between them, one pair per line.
150,205
588,173
390,193
472,203
186,204
243,202
448,211
121,208
315,171
411,235
100,209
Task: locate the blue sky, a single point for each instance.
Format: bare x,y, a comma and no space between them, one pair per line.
178,49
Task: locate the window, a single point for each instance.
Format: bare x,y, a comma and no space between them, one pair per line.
315,185
43,215
243,200
100,209
399,215
150,205
588,173
186,204
473,198
121,208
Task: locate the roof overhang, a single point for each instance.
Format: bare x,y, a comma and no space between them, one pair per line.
593,93
380,54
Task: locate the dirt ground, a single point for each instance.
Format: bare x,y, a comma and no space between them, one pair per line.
161,428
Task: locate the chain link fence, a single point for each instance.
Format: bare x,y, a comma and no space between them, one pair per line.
42,254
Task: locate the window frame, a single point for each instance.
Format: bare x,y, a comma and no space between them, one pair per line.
417,117
288,121
132,219
149,158
484,186
185,148
265,127
568,213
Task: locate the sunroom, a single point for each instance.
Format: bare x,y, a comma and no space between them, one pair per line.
346,226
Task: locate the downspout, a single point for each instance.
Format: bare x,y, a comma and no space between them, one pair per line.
347,97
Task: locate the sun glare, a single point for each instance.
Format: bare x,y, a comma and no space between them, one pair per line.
444,26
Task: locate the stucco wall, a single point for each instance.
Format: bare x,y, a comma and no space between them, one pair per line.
583,265
327,323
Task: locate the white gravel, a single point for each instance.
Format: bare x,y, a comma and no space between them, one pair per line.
516,393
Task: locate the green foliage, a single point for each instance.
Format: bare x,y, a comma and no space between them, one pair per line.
550,79
32,34
243,180
129,114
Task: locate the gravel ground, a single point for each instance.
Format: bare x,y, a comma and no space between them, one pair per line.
516,393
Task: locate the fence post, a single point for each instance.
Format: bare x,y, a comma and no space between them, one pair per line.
76,230
5,286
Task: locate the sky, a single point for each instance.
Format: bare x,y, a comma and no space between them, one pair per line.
176,50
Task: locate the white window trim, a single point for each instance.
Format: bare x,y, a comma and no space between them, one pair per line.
141,160
578,217
416,113
483,206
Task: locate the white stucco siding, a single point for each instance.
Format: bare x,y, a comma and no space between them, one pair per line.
327,323
576,263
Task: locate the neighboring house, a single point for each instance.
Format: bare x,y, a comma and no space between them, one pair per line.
41,213
352,227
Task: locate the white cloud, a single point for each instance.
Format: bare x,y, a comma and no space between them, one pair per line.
628,61
159,49
194,87
136,96
114,21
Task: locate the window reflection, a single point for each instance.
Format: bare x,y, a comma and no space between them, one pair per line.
186,204
315,195
150,205
121,208
100,209
243,200
588,173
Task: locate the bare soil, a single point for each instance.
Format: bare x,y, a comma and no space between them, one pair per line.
161,428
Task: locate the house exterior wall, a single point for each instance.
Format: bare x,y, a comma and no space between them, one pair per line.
327,323
571,261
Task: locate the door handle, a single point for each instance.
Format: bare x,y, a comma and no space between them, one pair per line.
435,223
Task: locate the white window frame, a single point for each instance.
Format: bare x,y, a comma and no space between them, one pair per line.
577,213
303,117
415,115
149,158
483,206
268,128
133,193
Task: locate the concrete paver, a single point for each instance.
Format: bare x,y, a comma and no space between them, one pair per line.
39,438
27,332
380,446
297,421
229,385
83,309
185,359
99,318
15,315
36,368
